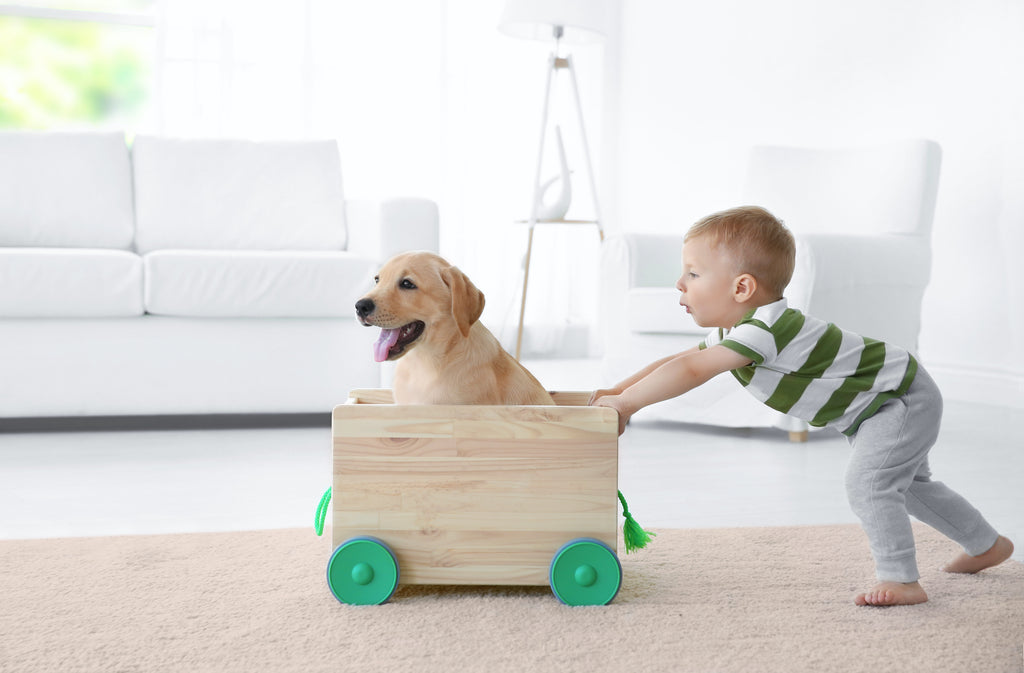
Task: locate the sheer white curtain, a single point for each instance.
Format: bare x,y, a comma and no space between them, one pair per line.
425,98
364,73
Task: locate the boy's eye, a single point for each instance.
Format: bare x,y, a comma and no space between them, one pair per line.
692,274
407,284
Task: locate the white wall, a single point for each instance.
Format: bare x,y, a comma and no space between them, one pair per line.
366,74
694,85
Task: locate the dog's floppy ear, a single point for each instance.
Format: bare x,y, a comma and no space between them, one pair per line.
467,300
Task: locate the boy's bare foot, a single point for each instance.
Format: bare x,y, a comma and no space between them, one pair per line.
893,593
964,563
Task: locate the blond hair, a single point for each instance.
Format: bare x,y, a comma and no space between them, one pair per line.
756,241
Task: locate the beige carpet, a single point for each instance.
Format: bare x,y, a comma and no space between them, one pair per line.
751,600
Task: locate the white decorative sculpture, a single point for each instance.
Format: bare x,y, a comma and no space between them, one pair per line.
557,208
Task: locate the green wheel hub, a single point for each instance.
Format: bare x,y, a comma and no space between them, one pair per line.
586,572
362,571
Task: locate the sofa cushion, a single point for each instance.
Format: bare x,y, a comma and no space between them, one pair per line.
272,284
656,310
65,190
235,194
69,283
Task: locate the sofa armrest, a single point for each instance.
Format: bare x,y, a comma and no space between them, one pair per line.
636,270
655,260
382,229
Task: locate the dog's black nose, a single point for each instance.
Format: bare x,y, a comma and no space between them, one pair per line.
364,307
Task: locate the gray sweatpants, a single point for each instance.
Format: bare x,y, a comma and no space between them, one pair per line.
888,478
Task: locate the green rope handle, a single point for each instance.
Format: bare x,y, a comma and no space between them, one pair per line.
321,512
633,533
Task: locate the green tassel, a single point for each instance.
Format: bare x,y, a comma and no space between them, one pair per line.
321,512
633,533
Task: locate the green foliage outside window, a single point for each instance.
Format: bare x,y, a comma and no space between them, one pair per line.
72,72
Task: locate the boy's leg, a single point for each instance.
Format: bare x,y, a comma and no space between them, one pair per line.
888,478
948,512
883,463
887,452
945,510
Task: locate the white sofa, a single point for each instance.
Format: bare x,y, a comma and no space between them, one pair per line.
186,276
862,218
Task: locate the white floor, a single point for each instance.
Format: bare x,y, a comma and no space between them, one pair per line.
102,483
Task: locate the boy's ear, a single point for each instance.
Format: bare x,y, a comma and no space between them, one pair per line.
744,288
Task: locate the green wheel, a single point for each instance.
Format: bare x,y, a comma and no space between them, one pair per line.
586,572
362,571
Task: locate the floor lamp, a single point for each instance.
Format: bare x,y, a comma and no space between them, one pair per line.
568,21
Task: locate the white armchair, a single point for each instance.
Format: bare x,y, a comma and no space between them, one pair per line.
862,220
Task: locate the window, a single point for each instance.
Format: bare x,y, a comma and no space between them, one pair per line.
76,63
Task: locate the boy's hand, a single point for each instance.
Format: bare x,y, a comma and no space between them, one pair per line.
615,402
601,393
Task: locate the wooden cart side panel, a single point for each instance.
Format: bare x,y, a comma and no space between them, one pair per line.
371,396
487,496
491,422
571,398
471,557
403,448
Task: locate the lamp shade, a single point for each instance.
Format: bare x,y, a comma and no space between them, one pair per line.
581,20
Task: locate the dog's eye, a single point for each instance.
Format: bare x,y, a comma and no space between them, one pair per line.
407,284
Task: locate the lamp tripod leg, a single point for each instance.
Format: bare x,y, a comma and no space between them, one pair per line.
522,301
551,67
586,145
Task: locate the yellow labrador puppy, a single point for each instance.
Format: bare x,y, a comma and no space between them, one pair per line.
428,312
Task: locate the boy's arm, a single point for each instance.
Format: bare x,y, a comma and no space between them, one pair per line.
622,385
672,378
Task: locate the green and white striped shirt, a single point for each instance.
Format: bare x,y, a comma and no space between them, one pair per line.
813,370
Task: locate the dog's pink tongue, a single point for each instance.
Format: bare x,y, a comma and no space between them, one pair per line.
387,339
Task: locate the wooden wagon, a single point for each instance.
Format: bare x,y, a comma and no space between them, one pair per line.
506,495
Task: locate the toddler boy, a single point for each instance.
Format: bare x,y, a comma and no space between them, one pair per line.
736,265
